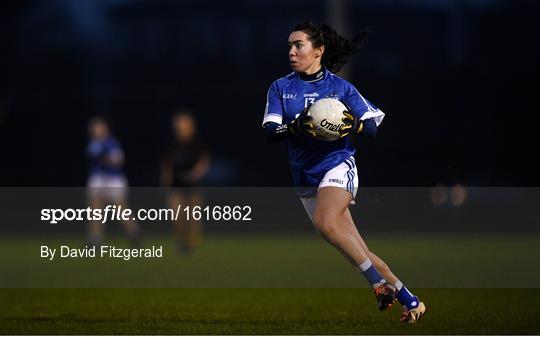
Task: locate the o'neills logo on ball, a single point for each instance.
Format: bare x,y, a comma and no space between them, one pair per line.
330,126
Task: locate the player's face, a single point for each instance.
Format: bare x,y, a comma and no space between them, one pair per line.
184,127
98,129
303,57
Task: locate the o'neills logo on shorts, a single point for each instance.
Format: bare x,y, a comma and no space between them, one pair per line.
330,126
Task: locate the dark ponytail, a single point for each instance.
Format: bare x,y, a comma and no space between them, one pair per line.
337,49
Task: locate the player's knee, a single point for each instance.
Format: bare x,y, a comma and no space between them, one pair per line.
329,231
325,223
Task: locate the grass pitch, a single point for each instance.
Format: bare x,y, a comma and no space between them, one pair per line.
261,311
271,285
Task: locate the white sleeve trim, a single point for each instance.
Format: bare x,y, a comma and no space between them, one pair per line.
272,118
372,112
377,116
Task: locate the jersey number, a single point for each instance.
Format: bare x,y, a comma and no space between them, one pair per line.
308,101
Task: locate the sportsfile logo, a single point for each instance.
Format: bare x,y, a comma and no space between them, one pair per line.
109,213
330,126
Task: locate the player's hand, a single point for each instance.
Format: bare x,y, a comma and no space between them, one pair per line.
302,125
352,123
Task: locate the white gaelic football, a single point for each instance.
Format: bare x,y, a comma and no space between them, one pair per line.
327,114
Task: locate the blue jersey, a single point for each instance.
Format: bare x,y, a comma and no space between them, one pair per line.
101,152
310,158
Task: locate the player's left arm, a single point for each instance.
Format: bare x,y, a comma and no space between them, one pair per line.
201,167
363,117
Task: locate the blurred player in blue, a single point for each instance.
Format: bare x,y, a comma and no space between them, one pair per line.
107,183
325,172
185,163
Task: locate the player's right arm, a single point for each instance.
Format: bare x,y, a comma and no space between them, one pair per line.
273,119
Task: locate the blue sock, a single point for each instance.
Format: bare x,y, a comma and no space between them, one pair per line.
405,297
371,274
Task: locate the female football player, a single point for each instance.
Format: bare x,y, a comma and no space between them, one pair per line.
326,172
106,181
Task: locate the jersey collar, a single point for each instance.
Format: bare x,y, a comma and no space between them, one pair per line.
315,77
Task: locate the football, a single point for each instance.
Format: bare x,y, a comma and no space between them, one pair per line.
327,115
